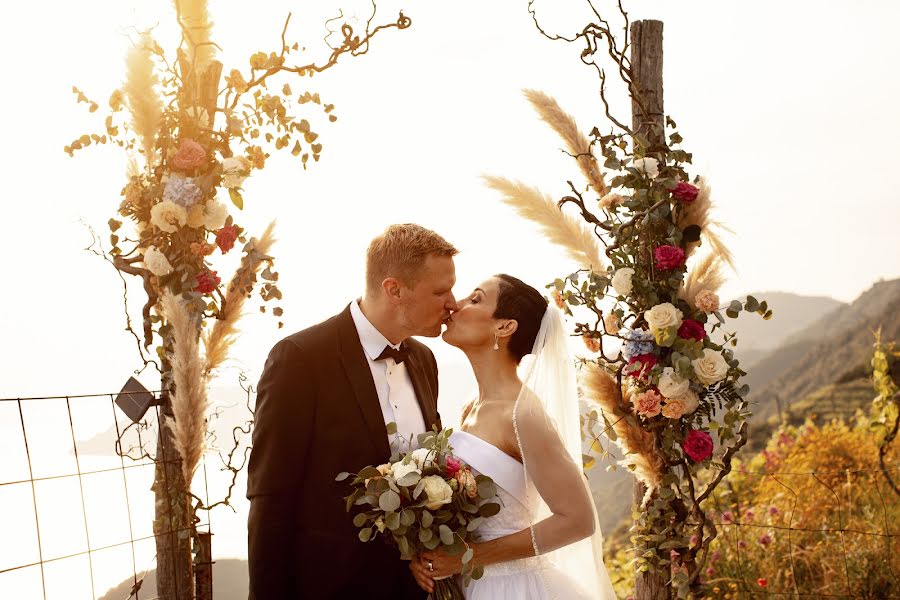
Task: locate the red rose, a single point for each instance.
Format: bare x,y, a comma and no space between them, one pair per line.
668,257
207,281
453,466
225,238
692,330
190,156
647,362
698,445
685,192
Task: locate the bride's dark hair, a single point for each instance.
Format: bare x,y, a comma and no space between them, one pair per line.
519,301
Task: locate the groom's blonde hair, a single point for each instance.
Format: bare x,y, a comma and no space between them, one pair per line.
400,251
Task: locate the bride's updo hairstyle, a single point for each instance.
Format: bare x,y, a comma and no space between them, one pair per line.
519,301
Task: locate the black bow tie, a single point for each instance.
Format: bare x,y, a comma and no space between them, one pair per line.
398,355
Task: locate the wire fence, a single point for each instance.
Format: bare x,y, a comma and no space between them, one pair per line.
76,499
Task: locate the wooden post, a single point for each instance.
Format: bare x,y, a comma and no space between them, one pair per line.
172,522
203,578
647,120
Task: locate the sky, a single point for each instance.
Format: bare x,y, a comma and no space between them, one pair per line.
789,109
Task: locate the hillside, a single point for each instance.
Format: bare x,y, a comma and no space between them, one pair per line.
834,349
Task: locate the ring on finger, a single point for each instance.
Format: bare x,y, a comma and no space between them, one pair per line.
431,565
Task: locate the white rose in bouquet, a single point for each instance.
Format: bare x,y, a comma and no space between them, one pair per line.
423,457
621,281
156,262
400,470
662,316
710,368
671,385
648,165
438,492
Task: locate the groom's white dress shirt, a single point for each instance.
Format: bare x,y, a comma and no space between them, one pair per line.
392,382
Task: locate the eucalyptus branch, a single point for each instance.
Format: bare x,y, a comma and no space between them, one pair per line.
726,461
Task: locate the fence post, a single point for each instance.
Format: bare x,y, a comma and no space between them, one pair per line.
203,579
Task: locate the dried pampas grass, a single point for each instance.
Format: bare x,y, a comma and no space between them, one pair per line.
224,331
194,18
564,124
637,443
699,213
708,274
141,96
189,402
568,232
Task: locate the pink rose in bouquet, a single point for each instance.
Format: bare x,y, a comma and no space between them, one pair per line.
698,445
668,257
685,192
692,330
190,156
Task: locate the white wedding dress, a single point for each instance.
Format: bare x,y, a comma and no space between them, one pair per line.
532,578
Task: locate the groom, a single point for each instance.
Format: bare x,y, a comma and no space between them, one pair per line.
324,399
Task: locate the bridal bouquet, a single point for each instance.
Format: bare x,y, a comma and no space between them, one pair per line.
422,500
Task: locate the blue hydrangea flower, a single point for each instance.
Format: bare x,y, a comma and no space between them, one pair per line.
639,342
182,190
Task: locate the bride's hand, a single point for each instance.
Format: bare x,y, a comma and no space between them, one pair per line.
442,563
420,571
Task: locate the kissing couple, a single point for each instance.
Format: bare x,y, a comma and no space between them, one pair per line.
328,392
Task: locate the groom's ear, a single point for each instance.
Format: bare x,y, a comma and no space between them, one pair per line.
392,287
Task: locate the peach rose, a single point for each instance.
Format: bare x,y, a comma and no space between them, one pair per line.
190,156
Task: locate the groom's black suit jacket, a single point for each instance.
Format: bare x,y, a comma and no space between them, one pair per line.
317,414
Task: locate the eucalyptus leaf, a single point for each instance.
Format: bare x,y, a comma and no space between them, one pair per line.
389,500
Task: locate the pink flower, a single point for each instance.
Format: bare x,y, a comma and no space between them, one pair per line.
697,445
710,571
647,403
207,281
692,330
716,555
742,544
773,510
647,362
765,539
762,582
453,466
190,156
749,515
728,516
685,192
668,257
225,238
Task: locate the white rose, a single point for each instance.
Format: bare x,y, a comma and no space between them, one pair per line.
214,215
156,262
168,216
385,469
690,399
438,492
423,457
671,385
662,316
647,165
621,281
235,170
400,470
710,368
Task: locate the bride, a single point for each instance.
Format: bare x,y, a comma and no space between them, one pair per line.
523,431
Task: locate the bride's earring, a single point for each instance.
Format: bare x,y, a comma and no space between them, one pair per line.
496,346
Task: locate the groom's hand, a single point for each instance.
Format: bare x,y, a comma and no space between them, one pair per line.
420,571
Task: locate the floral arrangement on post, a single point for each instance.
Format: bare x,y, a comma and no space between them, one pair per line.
197,144
421,500
672,381
193,143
